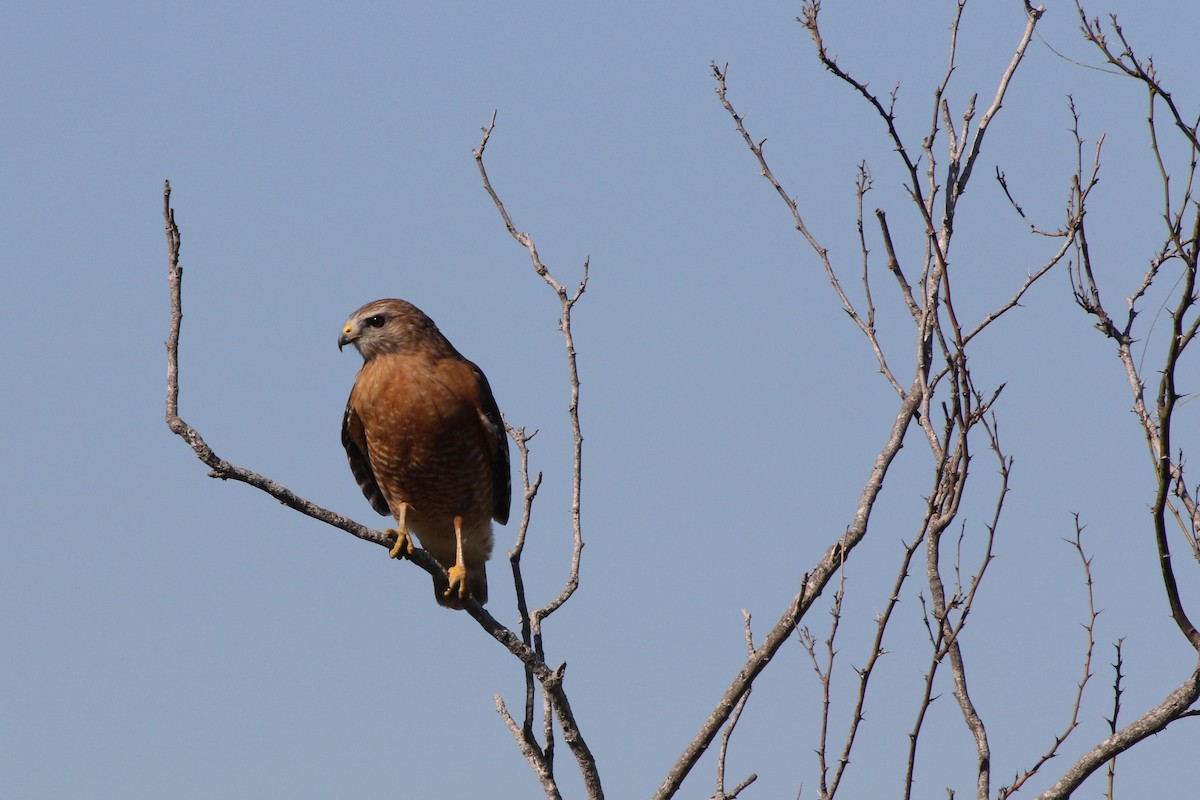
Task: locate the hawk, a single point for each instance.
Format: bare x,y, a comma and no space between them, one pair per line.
426,443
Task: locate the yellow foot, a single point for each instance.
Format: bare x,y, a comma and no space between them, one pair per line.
459,590
403,545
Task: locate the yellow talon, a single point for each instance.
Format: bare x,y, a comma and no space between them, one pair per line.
459,590
403,545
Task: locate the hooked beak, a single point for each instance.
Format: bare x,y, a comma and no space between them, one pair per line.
347,336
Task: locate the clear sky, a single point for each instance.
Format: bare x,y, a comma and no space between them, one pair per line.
167,635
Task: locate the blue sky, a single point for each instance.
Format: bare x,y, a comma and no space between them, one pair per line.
167,635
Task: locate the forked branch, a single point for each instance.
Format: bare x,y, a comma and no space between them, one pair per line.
532,621
940,374
1155,415
551,680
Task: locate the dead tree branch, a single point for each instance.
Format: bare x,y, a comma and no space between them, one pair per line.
551,680
940,378
567,300
1155,413
1089,628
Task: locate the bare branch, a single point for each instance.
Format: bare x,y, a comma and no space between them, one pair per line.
1157,428
812,585
1089,628
567,301
938,333
220,468
550,680
1127,62
894,266
720,793
1118,673
533,754
1173,707
1033,15
809,16
865,672
530,490
825,675
1156,421
719,74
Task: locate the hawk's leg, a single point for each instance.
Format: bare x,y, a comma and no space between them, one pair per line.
403,545
459,590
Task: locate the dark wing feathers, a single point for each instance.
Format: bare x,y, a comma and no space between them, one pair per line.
498,444
354,439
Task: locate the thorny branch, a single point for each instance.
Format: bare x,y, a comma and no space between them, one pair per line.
857,715
1089,628
1134,67
825,675
1118,673
1155,414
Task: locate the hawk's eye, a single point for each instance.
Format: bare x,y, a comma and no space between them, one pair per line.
376,321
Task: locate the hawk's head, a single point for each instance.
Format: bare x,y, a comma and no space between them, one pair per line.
389,326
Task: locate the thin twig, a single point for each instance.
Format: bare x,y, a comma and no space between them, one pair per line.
1157,421
533,754
720,793
529,493
812,585
756,148
567,301
1089,629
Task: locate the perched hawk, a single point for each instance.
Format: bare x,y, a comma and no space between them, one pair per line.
426,443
